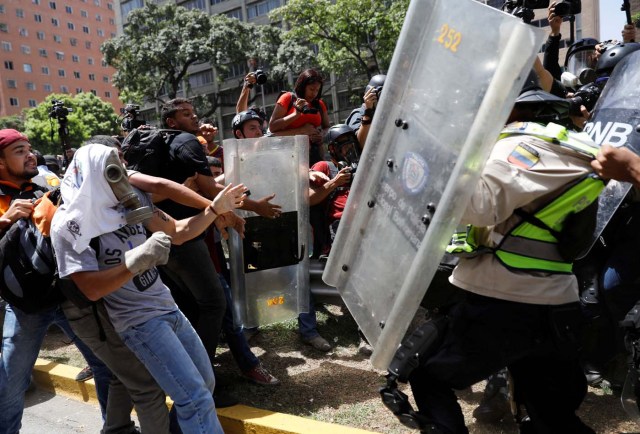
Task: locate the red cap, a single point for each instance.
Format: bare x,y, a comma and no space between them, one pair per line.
9,136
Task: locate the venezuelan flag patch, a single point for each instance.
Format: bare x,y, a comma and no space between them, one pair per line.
524,156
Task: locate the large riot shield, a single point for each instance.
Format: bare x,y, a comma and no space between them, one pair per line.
270,266
615,121
450,88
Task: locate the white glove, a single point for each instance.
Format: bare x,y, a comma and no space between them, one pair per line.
154,251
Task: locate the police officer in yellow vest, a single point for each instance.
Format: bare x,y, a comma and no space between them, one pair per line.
520,306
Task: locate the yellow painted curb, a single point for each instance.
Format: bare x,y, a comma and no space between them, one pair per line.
239,419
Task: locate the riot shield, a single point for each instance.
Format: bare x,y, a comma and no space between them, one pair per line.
615,121
270,266
448,93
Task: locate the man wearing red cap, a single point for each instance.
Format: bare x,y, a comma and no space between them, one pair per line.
23,333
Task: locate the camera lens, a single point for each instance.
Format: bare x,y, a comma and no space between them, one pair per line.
261,77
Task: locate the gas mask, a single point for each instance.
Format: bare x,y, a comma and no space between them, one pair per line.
345,152
116,176
580,68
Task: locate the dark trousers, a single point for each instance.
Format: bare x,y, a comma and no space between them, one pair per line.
192,272
486,334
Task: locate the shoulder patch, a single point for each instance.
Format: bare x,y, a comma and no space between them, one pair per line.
524,156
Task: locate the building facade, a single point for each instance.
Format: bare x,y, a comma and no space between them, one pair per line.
53,46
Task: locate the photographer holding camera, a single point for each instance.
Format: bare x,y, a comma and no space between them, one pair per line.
250,80
360,119
303,112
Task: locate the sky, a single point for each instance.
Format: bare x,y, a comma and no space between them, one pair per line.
612,19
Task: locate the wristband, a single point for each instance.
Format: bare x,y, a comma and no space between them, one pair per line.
365,122
369,112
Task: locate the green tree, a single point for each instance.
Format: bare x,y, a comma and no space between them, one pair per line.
15,122
353,37
89,116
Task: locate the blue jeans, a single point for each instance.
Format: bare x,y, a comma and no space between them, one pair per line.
244,357
22,338
307,323
174,355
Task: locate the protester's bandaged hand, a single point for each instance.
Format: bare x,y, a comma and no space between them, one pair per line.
154,251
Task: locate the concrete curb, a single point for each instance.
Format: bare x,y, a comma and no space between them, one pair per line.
239,419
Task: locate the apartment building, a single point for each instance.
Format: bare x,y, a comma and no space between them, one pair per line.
53,46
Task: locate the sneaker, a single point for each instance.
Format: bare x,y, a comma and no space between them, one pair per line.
224,399
495,404
260,375
319,343
85,374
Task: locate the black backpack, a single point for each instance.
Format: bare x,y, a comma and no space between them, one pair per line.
147,150
28,270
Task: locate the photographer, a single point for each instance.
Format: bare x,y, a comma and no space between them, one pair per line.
360,119
303,112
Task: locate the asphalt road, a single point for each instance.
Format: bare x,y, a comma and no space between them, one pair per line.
48,413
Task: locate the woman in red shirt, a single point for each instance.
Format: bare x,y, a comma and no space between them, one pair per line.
303,112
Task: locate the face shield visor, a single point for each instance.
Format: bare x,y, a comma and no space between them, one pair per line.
582,64
345,149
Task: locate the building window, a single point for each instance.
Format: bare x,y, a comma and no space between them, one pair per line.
84,14
112,21
68,9
127,7
25,49
73,42
70,26
201,78
23,31
89,60
261,8
236,13
92,77
37,18
55,22
105,78
107,94
13,101
78,90
52,5
100,32
40,36
26,67
85,29
6,46
32,103
76,74
110,6
42,52
95,92
20,13
61,73
237,70
4,28
64,89
97,2
59,55
1,9
87,45
47,87
35,2
195,4
103,63
30,85
12,84
75,58
57,38
98,17
45,70
215,2
8,64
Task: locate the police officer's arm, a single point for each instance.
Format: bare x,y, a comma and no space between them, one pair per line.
620,164
162,188
186,229
263,207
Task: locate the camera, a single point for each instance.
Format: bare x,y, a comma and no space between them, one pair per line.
524,8
353,167
261,78
309,110
59,111
130,113
586,96
377,90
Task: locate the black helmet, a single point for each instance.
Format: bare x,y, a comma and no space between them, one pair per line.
376,81
337,139
580,45
242,117
543,106
612,55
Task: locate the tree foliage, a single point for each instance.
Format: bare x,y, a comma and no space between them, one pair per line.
89,116
352,36
15,122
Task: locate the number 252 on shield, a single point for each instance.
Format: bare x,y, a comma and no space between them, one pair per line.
449,37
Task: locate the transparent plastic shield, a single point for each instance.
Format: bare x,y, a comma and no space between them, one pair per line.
450,88
615,121
270,267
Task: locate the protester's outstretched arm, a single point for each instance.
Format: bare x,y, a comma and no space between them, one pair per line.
162,188
620,164
243,100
